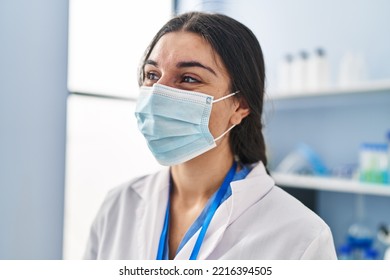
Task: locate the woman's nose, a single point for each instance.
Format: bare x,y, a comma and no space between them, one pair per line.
166,80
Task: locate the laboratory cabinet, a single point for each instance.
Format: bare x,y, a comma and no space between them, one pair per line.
331,184
334,123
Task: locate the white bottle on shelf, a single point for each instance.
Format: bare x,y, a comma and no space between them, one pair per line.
352,69
318,73
284,74
388,157
299,73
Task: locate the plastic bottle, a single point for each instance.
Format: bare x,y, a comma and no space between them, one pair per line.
284,74
370,254
344,252
384,164
352,69
384,237
382,155
360,235
360,238
364,162
388,157
302,160
299,72
374,163
318,73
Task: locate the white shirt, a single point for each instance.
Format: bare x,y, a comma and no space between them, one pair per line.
258,221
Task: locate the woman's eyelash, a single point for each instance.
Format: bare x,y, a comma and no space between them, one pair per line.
187,78
151,75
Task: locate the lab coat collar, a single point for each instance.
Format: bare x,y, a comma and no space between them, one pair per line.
244,194
153,185
155,190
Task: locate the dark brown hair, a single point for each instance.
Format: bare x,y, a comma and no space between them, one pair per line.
242,56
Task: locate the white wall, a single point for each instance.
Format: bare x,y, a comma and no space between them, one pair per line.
33,60
104,146
104,149
107,39
338,26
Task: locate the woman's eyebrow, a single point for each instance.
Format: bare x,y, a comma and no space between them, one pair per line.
185,64
151,62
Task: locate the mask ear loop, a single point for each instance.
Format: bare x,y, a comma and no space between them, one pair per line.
220,99
225,97
223,134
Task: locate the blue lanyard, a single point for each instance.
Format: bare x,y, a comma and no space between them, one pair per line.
213,208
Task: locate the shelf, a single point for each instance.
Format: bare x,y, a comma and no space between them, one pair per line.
330,184
366,87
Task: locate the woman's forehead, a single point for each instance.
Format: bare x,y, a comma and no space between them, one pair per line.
175,47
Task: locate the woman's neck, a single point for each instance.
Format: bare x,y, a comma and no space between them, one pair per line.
196,180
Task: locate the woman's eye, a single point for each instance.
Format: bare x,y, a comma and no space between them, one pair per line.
151,76
188,79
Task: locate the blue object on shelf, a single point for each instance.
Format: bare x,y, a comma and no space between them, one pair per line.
303,160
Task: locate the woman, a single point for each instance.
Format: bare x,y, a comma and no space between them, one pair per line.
199,108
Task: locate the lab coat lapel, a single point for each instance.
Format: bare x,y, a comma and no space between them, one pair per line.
217,227
150,220
244,194
247,192
213,235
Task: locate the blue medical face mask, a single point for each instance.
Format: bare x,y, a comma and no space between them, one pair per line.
175,122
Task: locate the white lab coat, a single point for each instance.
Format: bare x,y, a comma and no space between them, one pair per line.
258,221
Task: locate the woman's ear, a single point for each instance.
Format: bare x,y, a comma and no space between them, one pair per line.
242,110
